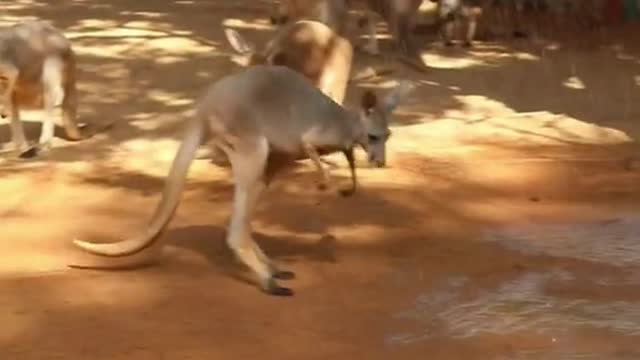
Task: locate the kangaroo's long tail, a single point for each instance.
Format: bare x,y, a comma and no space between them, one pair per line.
166,208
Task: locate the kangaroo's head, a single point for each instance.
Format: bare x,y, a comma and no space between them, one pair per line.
375,117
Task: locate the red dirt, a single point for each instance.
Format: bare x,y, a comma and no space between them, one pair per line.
450,253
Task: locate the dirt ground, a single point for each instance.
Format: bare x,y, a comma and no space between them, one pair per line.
505,227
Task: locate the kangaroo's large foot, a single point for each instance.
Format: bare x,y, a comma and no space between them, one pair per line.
28,152
271,287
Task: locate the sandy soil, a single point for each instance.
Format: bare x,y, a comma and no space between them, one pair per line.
505,227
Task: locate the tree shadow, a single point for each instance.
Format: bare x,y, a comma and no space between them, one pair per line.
133,59
131,64
418,232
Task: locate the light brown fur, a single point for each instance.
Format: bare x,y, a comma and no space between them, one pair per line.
399,14
37,69
308,47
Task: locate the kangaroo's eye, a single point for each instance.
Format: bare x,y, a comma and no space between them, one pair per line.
374,138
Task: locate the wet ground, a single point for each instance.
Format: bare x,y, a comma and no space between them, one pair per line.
506,226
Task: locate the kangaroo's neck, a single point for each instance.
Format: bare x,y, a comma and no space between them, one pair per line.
356,126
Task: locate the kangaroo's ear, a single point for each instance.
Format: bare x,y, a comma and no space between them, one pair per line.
395,96
238,43
369,101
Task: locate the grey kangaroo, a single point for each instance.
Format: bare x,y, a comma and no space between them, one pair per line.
263,118
309,47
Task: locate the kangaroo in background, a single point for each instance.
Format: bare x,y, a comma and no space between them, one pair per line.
399,14
263,118
333,13
310,47
451,11
37,69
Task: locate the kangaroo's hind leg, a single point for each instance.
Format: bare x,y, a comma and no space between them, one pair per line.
11,108
52,95
17,132
248,158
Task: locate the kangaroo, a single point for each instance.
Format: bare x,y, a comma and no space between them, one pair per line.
310,47
449,11
263,118
333,13
399,14
37,69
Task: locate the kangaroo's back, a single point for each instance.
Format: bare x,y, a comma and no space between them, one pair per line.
315,50
307,46
275,102
26,44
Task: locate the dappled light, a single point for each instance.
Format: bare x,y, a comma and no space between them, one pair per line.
504,224
242,24
482,55
574,83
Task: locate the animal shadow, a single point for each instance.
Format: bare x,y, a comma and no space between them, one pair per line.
209,241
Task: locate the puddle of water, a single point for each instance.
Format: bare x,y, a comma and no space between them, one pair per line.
517,305
521,304
614,241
